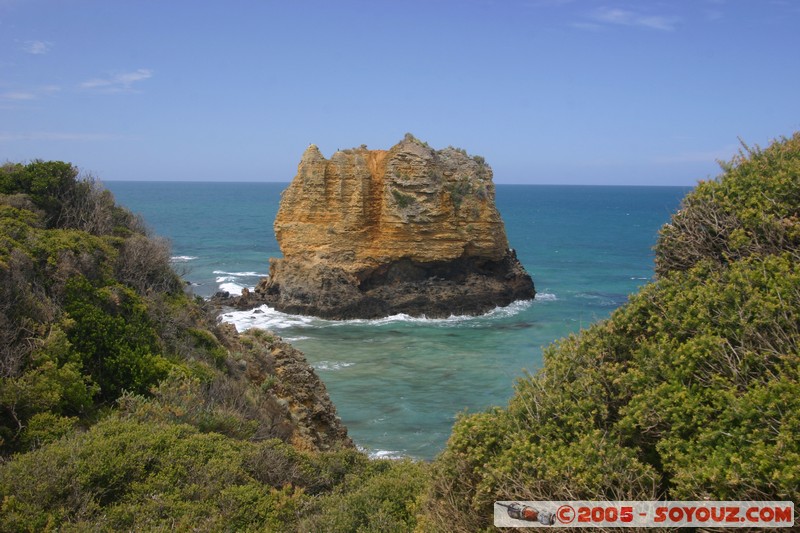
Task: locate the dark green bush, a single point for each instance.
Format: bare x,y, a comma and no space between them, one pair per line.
110,330
46,182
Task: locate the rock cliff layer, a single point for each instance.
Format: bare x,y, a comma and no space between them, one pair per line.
370,233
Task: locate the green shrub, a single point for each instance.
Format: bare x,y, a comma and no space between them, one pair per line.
111,332
46,427
125,475
47,183
753,208
260,335
459,190
383,497
206,341
185,399
52,384
690,391
403,200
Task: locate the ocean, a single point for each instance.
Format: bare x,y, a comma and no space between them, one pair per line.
399,382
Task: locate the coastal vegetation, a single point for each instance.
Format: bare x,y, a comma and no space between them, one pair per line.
690,391
124,405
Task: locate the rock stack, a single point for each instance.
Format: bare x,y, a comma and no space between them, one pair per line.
371,233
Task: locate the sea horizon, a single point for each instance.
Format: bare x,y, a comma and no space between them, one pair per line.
250,182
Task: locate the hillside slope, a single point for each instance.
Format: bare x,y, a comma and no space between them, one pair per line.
124,405
690,391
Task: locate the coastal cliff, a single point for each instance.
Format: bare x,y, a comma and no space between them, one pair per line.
370,233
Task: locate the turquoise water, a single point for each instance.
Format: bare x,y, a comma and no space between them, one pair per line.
398,383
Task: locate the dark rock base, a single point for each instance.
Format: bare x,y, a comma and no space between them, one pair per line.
468,286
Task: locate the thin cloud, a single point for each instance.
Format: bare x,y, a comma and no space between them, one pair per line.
122,82
56,136
625,17
591,26
37,47
549,3
31,94
18,95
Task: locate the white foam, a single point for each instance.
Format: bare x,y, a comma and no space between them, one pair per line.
383,454
387,454
514,308
545,297
498,312
331,365
265,317
232,288
268,318
239,274
182,258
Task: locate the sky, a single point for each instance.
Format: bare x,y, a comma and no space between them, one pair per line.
548,91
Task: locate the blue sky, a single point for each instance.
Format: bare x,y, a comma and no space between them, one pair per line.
548,91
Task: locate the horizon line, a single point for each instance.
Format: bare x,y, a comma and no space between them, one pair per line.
495,183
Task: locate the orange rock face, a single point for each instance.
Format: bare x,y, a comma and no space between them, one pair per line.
364,208
355,217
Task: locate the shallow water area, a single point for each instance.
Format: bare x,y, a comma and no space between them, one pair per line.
399,382
406,377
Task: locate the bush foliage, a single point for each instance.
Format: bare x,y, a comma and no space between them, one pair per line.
76,329
125,406
690,391
128,475
754,210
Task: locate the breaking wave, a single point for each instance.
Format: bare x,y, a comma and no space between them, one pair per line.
545,297
331,365
234,282
265,317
